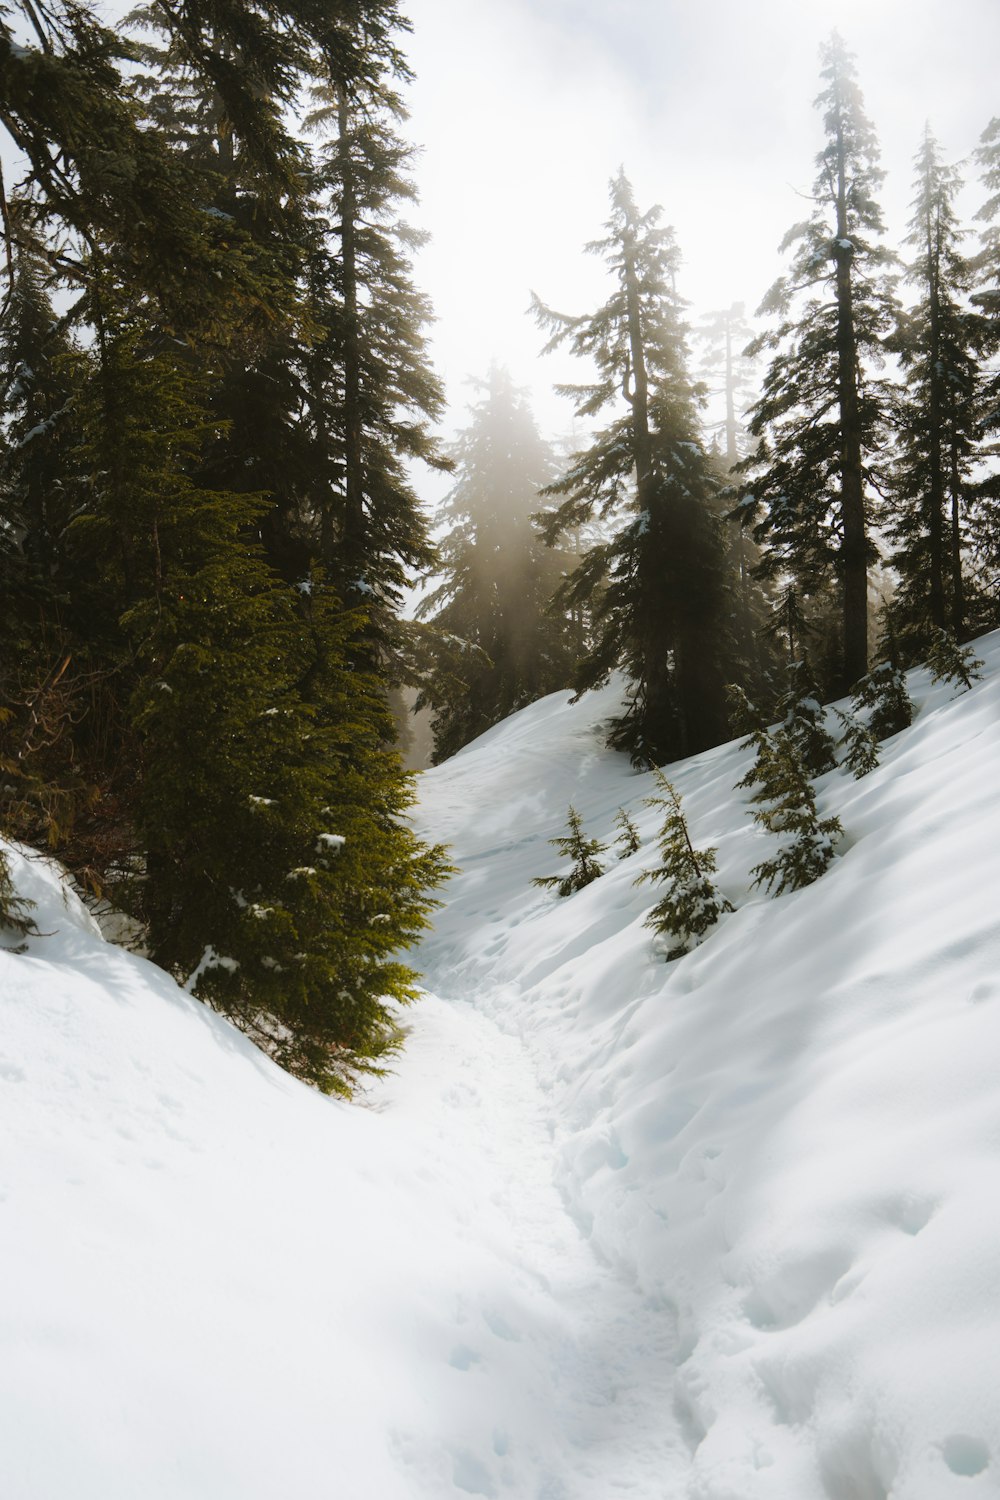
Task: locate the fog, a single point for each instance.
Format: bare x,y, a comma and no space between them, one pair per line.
524,108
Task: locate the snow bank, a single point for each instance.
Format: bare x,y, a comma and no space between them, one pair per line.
789,1138
721,1229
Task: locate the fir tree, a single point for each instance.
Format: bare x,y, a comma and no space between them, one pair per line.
693,903
657,586
938,415
802,720
14,909
583,851
627,841
950,662
822,417
792,811
498,577
861,744
883,693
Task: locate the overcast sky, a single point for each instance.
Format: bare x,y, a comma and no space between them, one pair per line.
525,108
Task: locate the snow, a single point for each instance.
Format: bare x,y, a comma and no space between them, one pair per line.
725,1228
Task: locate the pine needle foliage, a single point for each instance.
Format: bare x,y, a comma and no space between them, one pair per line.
803,720
822,418
693,902
583,851
627,841
950,662
657,585
861,744
791,813
883,693
14,909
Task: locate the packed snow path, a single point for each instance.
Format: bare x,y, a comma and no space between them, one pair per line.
560,1373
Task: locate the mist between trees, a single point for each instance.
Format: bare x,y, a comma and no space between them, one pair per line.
215,388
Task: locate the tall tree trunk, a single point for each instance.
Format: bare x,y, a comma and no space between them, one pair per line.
854,542
935,497
353,536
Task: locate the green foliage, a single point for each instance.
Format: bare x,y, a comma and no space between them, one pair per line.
883,693
583,851
627,841
14,909
693,903
657,584
931,514
950,662
821,420
790,812
861,743
802,720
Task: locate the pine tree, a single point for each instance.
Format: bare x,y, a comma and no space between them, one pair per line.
14,909
822,417
802,720
693,903
950,662
628,841
883,694
938,415
583,851
861,744
657,586
498,577
792,811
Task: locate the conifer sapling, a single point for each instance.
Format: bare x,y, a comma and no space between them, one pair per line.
582,851
950,662
628,840
861,744
792,810
693,902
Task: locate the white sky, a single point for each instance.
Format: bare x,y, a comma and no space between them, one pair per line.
525,108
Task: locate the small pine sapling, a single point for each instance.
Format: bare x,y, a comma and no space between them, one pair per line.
950,662
861,744
627,841
803,720
582,851
13,908
793,811
883,691
693,902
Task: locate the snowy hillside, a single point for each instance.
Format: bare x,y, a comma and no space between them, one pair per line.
721,1229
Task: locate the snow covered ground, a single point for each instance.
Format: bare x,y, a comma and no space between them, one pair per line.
721,1229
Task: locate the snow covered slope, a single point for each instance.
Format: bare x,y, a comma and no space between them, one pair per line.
721,1229
790,1138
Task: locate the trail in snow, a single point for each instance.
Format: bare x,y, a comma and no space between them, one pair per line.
579,1363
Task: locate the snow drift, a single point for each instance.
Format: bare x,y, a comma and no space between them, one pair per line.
725,1228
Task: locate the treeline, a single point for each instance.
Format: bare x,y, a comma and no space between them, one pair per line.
847,523
215,384
214,380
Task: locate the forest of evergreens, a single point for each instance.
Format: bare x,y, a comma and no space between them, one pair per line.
215,387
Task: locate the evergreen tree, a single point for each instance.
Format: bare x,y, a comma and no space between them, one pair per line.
693,903
14,910
792,811
371,392
950,662
657,585
822,417
803,722
583,851
498,577
883,694
861,744
939,412
628,841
